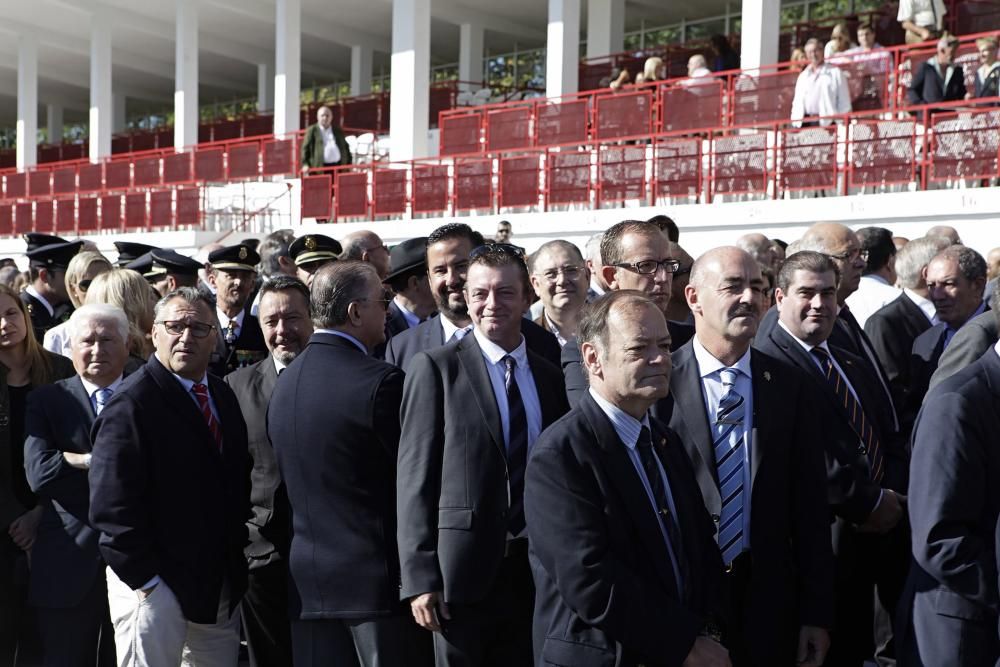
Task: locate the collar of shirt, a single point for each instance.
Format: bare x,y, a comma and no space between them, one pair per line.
278,366
495,354
875,277
224,319
554,329
708,364
448,327
996,348
595,287
411,319
189,384
950,332
335,332
30,289
626,426
92,388
804,345
924,304
327,132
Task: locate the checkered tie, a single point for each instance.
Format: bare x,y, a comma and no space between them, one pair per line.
730,452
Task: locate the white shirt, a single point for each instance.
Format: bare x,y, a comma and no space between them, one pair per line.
924,304
346,336
224,321
57,340
30,289
278,366
92,390
712,391
331,152
551,326
628,429
411,319
821,91
829,52
873,293
924,13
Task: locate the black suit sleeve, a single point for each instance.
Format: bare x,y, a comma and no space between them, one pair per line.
916,91
388,399
48,473
573,372
567,529
418,478
118,481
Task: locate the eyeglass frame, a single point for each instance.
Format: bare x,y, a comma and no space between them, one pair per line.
670,265
564,270
187,325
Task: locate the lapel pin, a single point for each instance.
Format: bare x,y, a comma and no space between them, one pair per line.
767,375
663,442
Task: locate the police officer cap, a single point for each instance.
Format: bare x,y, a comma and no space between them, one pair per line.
129,251
54,255
314,248
235,258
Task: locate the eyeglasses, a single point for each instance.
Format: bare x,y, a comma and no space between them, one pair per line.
571,271
683,271
386,299
650,266
502,248
177,328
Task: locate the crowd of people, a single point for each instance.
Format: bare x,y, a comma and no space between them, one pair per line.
452,452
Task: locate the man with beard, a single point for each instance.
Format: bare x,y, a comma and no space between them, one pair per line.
746,421
233,273
448,251
286,325
560,279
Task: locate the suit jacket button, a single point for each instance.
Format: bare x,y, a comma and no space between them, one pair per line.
862,449
715,518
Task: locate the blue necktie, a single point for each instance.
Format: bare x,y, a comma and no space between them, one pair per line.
101,398
729,458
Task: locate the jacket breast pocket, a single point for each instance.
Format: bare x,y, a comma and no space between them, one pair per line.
455,518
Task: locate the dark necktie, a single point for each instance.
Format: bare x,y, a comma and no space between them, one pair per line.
201,393
517,447
859,422
649,458
730,455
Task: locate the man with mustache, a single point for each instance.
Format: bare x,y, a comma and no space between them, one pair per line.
864,466
448,250
233,271
560,278
745,419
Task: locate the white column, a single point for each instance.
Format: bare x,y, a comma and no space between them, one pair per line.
100,85
562,48
411,78
265,87
27,101
119,113
361,70
471,37
287,66
54,122
186,75
605,27
759,33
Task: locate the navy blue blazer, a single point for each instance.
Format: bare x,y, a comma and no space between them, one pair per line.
927,86
166,501
65,560
333,421
954,502
605,589
892,330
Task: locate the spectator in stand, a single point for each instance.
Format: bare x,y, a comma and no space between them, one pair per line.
820,91
798,59
699,75
866,40
82,270
651,70
938,79
726,58
922,20
324,144
698,67
759,247
840,41
987,82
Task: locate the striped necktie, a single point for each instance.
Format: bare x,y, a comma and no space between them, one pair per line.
730,450
201,393
101,398
859,422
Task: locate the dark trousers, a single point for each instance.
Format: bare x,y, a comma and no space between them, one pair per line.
19,642
385,641
80,636
265,616
497,630
871,573
753,641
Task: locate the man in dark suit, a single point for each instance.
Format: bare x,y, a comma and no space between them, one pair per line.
745,419
602,481
951,592
938,79
955,281
471,412
233,273
865,466
893,328
413,302
634,255
169,493
67,585
971,342
286,323
336,448
448,250
560,278
46,296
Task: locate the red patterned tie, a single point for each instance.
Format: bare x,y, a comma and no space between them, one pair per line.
201,393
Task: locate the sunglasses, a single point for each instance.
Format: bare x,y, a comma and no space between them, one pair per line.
84,285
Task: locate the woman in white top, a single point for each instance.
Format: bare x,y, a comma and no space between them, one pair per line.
82,270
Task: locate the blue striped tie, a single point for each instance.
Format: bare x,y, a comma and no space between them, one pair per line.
729,457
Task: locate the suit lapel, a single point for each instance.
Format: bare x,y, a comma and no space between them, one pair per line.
434,334
766,381
182,403
546,394
471,357
82,400
689,406
268,376
629,485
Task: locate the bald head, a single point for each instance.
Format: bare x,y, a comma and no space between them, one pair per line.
993,263
842,245
367,246
947,232
759,247
726,297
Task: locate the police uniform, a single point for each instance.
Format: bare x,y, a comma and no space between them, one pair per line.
244,345
312,251
129,252
53,257
157,264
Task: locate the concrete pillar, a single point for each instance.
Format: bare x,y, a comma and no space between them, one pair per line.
54,122
759,33
287,66
605,27
562,58
27,101
361,70
265,87
100,85
411,78
119,113
186,75
470,53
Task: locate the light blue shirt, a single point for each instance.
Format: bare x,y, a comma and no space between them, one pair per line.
628,429
411,319
92,390
346,336
712,391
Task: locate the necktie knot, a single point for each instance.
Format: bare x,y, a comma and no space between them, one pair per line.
200,390
101,397
728,376
461,333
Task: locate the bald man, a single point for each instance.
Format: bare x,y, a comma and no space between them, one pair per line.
947,232
366,246
759,247
745,420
